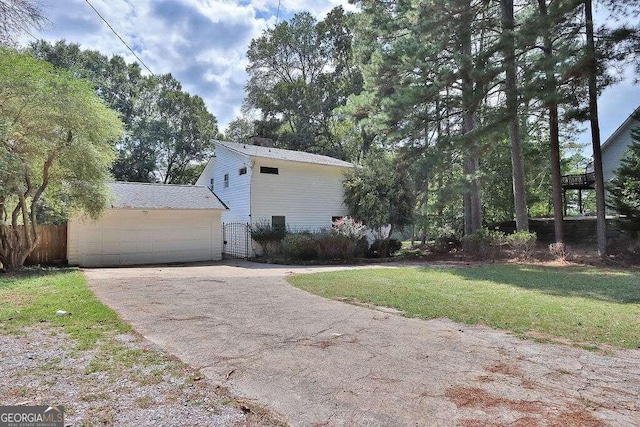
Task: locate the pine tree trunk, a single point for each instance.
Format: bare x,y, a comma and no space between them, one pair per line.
471,167
519,192
554,131
595,132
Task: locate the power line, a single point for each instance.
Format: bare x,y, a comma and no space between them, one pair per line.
118,35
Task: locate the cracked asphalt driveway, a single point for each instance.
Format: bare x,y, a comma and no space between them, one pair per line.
314,361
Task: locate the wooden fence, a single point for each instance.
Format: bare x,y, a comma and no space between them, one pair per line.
52,248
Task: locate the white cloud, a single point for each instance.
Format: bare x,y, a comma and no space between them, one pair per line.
202,43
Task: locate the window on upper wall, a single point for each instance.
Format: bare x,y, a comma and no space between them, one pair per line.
211,184
242,171
226,180
269,170
278,223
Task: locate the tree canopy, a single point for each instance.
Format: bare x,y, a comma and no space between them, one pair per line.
299,72
168,132
56,140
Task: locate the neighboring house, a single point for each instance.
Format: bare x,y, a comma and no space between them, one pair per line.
284,188
148,224
615,147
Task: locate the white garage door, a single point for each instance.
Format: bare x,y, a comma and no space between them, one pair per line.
127,237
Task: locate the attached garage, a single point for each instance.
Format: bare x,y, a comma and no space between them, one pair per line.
149,224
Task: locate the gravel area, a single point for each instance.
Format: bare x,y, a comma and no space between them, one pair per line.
127,381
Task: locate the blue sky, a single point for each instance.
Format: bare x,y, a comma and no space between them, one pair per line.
203,44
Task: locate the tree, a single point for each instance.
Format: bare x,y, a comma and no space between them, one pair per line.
17,17
299,72
625,187
380,193
592,70
168,132
56,137
239,130
512,103
432,65
176,125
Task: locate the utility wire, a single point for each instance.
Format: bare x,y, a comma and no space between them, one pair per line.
118,35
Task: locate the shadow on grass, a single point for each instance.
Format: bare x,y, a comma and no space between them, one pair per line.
12,278
610,285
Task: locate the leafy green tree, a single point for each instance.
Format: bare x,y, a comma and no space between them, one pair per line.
380,193
168,132
56,138
176,125
299,72
625,187
240,130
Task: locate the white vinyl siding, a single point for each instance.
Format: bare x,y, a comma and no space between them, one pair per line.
236,196
615,150
308,195
132,236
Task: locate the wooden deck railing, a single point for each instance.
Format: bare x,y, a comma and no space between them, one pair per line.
584,180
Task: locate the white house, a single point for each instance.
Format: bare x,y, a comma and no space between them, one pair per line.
615,147
149,224
298,190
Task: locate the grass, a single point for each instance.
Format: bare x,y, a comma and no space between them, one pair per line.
116,364
586,305
33,296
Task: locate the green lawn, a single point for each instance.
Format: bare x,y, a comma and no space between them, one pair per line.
586,305
34,296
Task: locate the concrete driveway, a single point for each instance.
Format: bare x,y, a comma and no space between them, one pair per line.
314,361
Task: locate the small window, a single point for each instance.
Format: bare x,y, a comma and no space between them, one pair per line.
211,184
226,180
267,169
278,223
242,171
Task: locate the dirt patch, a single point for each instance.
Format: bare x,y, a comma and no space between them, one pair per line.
575,419
537,413
145,387
479,398
505,369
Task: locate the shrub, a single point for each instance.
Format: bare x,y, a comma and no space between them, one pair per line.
384,248
263,231
445,240
484,243
323,245
522,243
350,228
335,246
267,236
559,250
301,246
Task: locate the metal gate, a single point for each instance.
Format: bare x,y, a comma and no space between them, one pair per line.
236,239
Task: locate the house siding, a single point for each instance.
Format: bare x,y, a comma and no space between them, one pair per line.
236,195
308,195
615,149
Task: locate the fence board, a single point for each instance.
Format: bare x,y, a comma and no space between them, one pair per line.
52,248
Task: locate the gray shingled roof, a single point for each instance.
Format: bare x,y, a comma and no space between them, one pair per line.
137,195
281,154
